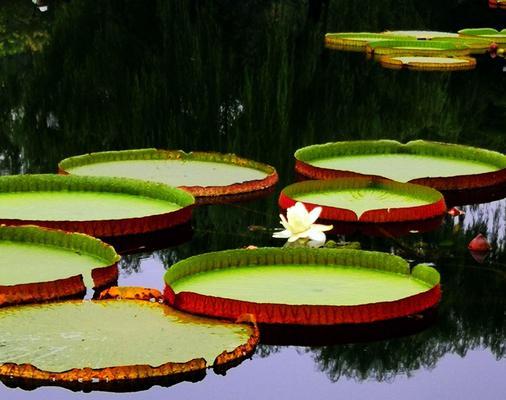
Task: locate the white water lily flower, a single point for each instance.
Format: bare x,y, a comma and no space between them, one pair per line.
299,224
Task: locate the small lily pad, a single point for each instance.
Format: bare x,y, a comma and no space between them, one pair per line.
38,264
357,40
424,63
489,33
421,35
417,48
115,340
301,286
97,206
201,173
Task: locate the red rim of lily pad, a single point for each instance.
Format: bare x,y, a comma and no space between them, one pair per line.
434,204
66,287
270,179
300,314
109,378
102,227
447,184
497,4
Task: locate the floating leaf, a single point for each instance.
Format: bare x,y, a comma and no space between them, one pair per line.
365,199
417,48
301,286
201,173
107,341
96,206
449,168
356,41
422,35
424,63
38,264
489,33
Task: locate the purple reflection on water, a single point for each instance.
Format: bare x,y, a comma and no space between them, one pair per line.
292,373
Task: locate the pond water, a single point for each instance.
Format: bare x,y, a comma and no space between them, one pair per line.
252,78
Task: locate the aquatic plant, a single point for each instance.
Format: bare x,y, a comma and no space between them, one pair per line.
300,226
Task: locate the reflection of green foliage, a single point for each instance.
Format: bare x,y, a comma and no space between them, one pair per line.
213,76
21,28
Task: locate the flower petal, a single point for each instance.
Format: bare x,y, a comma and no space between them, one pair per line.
315,243
316,235
314,214
294,238
284,222
322,228
282,235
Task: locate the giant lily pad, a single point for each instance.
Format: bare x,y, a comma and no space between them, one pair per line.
96,206
476,44
409,43
488,33
111,340
39,264
422,35
357,40
424,63
365,199
445,167
203,174
301,286
417,48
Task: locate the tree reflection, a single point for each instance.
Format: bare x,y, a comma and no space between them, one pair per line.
218,76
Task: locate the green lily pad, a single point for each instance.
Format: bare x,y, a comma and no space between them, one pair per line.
423,35
203,174
440,165
114,340
356,40
39,264
98,206
425,63
417,47
489,33
365,199
300,285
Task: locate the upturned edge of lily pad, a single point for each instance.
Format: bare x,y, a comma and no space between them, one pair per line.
73,286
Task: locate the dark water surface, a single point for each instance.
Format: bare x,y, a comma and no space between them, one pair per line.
252,77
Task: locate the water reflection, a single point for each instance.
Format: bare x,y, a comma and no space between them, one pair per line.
178,97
